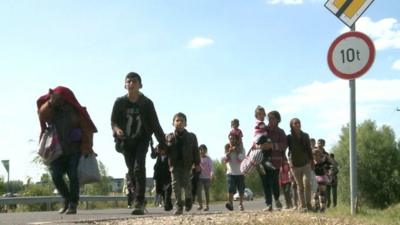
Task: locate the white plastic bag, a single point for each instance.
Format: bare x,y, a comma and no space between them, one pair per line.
88,169
49,146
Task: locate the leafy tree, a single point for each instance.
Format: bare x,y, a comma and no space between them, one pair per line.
45,179
15,186
218,185
253,181
378,165
2,186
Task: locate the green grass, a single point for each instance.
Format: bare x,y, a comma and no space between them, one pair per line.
366,215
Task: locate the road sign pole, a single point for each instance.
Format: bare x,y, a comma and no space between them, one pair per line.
8,182
353,144
346,67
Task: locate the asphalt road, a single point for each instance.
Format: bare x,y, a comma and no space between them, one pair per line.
85,217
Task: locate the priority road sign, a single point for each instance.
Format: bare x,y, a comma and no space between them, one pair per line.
351,55
6,164
348,11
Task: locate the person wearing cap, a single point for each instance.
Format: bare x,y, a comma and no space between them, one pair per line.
60,108
133,121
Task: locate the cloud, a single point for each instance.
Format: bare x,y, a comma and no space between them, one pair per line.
385,32
396,65
285,2
325,107
199,42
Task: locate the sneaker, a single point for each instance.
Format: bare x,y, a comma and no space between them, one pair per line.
178,211
268,208
65,208
168,206
71,209
188,204
241,208
200,207
229,206
129,206
278,204
206,208
138,210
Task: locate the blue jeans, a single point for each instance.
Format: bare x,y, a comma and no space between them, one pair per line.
66,164
270,183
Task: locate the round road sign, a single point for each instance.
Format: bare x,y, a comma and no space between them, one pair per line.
351,55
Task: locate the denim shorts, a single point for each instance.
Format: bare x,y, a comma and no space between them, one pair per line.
235,182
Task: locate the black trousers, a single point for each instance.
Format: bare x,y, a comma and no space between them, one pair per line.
331,190
66,164
135,160
270,183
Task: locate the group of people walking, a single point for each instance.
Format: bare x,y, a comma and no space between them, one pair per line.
133,121
306,174
182,166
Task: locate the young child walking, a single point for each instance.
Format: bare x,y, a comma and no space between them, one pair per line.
183,154
234,154
206,175
285,182
321,167
162,177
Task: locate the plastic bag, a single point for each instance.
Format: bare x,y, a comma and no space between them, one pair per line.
88,169
49,146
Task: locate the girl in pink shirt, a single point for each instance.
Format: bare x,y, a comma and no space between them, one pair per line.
206,175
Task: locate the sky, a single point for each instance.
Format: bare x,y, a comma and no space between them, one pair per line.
214,60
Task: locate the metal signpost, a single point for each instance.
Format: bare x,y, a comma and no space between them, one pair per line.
349,57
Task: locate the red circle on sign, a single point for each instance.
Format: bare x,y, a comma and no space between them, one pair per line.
364,69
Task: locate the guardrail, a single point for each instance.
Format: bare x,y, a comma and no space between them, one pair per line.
48,200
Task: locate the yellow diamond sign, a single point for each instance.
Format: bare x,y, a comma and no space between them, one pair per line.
348,11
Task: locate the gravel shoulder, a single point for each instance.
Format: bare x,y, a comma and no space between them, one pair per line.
247,217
